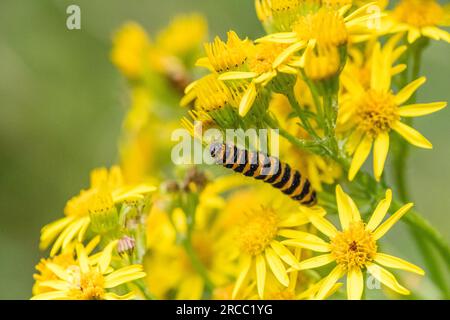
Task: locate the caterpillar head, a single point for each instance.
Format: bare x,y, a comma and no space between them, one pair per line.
215,149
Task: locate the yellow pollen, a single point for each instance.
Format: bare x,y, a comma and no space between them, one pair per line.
227,56
354,247
259,229
419,13
376,112
264,55
91,286
326,26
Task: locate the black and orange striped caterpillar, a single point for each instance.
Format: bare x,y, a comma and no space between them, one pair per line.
266,168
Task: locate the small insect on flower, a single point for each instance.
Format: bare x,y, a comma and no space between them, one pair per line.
266,168
355,248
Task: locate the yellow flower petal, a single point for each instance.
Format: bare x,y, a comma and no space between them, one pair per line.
260,275
84,228
105,258
282,37
355,284
287,53
380,75
82,258
316,262
294,220
387,225
50,231
75,228
117,281
412,135
237,75
380,152
386,278
284,254
360,156
60,285
397,263
115,278
329,282
59,241
204,62
380,212
421,109
277,267
58,271
92,244
323,225
316,245
53,295
436,33
408,91
247,100
246,264
413,35
348,212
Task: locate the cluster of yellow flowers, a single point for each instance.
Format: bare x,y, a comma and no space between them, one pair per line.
337,78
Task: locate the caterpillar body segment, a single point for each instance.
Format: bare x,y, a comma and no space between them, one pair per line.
267,168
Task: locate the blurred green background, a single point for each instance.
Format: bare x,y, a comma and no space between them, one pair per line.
62,103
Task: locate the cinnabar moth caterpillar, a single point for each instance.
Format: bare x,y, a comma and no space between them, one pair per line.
266,168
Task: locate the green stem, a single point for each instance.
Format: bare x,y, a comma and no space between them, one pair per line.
143,288
433,266
301,144
298,110
402,152
414,219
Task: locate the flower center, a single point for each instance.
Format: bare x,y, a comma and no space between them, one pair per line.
227,56
86,286
264,55
326,26
376,112
419,13
259,229
354,247
92,285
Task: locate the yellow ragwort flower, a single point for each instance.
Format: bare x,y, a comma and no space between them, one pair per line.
355,248
131,46
89,278
377,111
107,189
419,18
266,227
174,40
